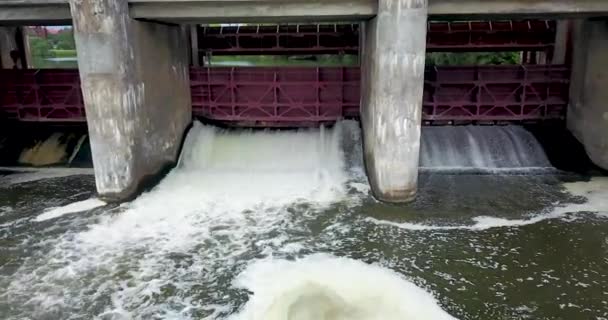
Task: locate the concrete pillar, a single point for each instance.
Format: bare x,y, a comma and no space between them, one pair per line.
588,108
194,57
135,85
562,42
8,43
391,104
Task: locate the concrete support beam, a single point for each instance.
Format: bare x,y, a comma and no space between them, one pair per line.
135,85
210,11
13,39
563,44
391,105
43,12
8,43
207,11
517,8
194,56
588,109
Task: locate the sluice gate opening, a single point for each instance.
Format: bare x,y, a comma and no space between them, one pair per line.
262,96
307,75
291,95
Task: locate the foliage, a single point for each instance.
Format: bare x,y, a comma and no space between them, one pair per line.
435,58
64,40
59,45
61,53
326,60
472,58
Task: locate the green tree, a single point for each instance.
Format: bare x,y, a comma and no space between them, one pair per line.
40,49
472,58
64,40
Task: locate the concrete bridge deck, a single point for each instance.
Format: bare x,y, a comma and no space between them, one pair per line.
208,11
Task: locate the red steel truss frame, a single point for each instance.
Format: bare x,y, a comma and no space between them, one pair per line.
41,95
527,35
495,93
274,96
253,96
279,39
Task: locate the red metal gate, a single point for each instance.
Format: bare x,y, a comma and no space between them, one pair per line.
286,96
496,93
526,35
41,95
274,96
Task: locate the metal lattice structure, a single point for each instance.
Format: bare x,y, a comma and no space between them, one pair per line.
274,96
41,95
280,39
526,35
496,93
253,96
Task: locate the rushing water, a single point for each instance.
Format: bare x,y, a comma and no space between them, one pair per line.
480,147
280,225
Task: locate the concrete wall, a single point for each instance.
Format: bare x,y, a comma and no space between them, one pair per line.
135,85
7,43
392,87
588,108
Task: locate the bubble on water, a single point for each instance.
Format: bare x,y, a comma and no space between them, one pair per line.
595,193
324,287
233,195
78,206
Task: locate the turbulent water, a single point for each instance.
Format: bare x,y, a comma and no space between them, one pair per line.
480,147
279,225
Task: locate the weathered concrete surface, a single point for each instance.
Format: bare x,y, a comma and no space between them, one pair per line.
253,10
588,109
56,11
35,12
509,8
391,106
563,43
135,85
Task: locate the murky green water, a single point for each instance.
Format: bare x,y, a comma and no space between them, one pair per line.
183,267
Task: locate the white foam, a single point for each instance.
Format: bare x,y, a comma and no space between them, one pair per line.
222,174
595,192
24,175
5,209
323,287
79,206
484,147
230,192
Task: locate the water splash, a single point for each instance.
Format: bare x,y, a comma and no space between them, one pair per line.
595,193
480,147
78,206
233,195
323,287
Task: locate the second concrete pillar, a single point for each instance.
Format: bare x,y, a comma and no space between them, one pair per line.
394,50
588,108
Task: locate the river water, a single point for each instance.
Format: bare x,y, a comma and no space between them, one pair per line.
281,225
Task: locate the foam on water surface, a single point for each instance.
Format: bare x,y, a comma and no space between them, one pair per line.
595,193
78,206
492,148
235,197
324,287
24,175
231,196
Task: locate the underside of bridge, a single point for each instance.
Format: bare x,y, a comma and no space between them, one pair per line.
395,65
